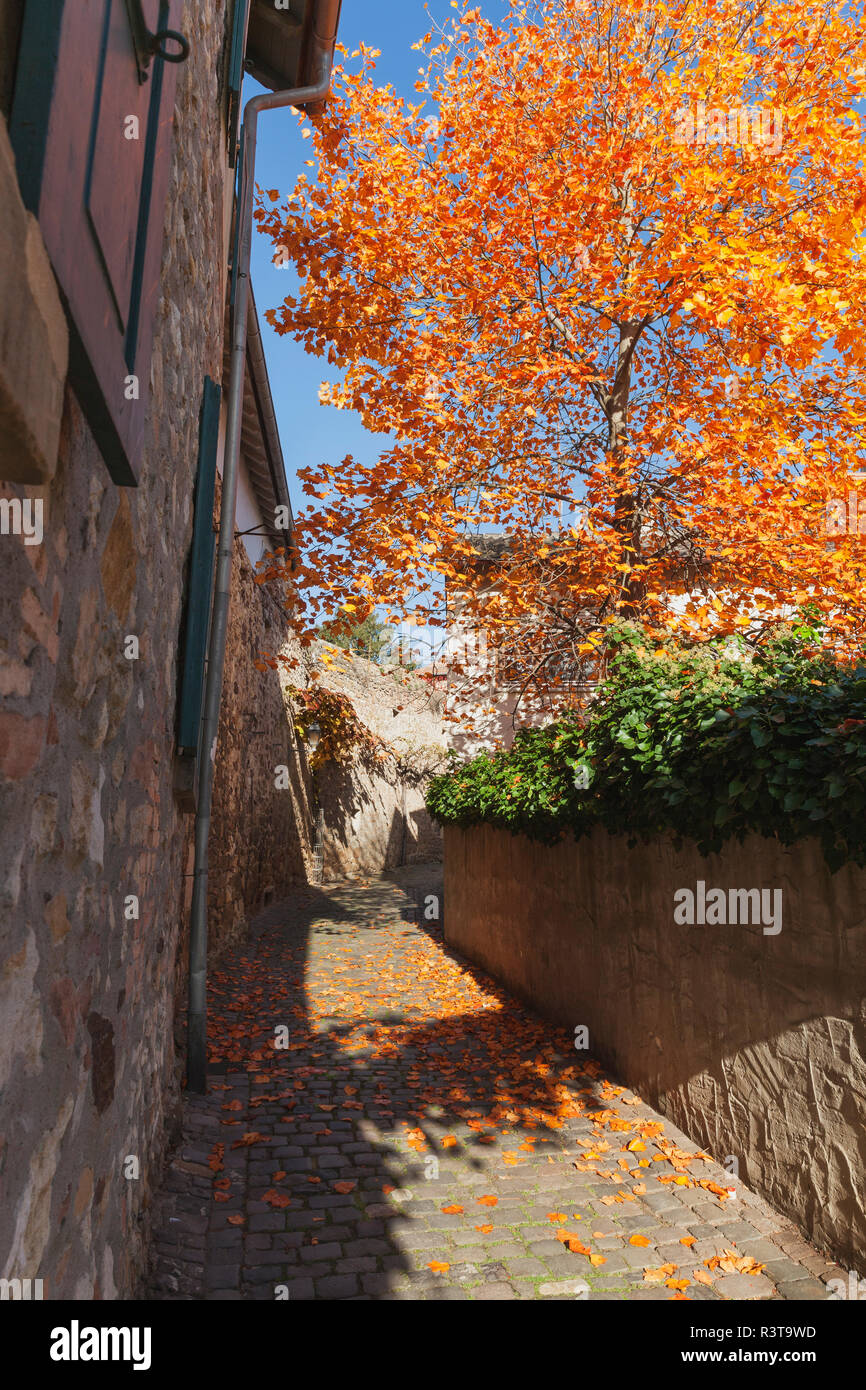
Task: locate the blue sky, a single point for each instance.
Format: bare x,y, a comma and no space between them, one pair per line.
309,432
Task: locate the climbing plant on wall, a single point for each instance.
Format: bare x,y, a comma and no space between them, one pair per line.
342,735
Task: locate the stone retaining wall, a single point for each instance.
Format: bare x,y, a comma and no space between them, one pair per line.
753,1043
373,815
374,818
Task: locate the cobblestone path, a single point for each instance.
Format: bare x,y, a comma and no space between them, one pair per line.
422,1136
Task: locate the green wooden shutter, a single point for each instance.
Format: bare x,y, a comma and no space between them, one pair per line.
236,73
201,568
93,146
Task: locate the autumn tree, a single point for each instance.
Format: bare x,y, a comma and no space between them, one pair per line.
369,638
600,287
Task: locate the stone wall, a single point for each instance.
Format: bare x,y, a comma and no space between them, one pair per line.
373,816
753,1043
262,827
89,820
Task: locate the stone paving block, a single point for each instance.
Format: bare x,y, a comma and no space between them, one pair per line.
804,1290
565,1288
785,1271
525,1266
376,1284
337,1286
759,1248
223,1276
744,1286
266,1274
545,1249
562,1265
503,1249
329,1250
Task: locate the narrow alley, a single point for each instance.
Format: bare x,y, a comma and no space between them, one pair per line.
383,1122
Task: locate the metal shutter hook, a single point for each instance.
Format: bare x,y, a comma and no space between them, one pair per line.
149,46
163,37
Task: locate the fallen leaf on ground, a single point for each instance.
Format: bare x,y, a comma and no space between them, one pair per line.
277,1199
251,1137
572,1241
658,1275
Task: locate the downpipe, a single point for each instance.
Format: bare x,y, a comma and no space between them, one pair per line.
196,1074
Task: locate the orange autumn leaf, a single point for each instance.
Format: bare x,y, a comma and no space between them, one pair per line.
721,1192
275,1198
215,1158
251,1137
236,1219
449,1141
487,1201
344,1186
659,1274
639,1240
687,1240
453,1210
572,1241
485,1230
438,1266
